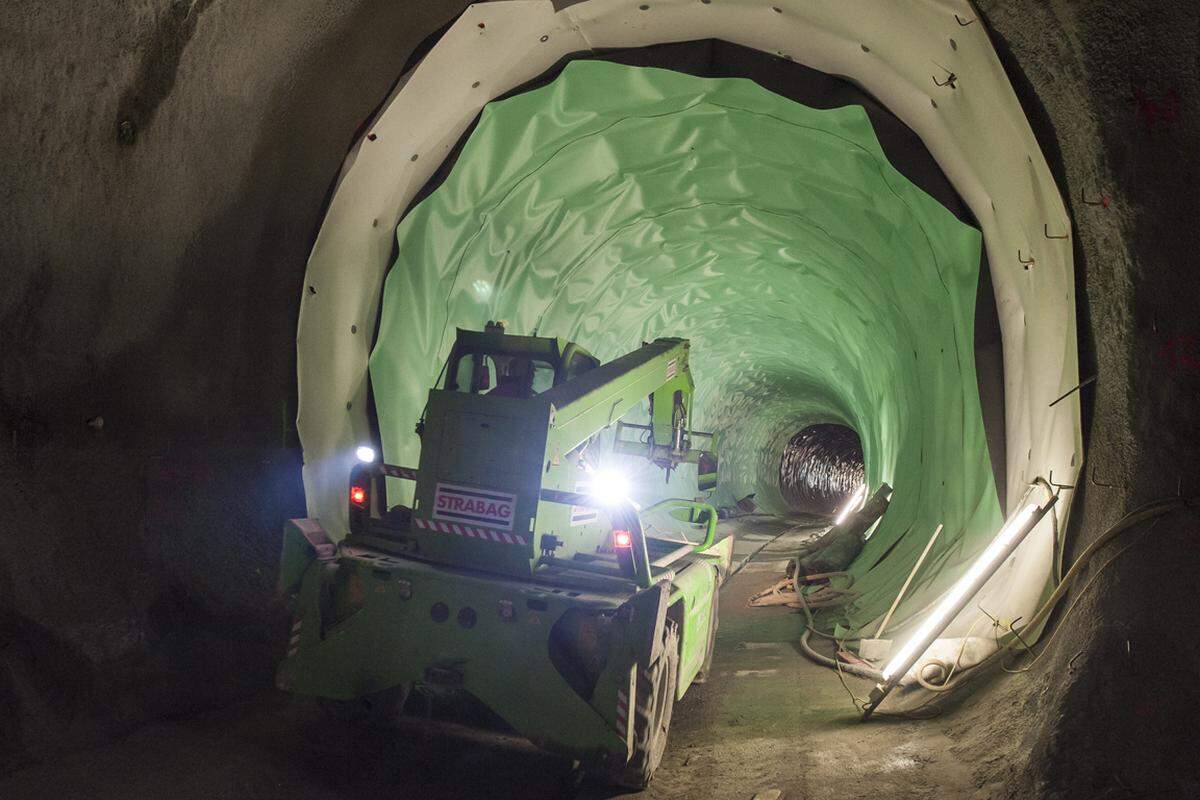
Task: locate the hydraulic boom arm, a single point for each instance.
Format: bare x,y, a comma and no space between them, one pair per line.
601,396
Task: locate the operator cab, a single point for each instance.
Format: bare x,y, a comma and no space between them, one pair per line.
495,363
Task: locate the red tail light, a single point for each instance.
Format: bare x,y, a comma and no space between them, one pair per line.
358,495
622,539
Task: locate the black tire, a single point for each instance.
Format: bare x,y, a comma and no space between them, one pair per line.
652,717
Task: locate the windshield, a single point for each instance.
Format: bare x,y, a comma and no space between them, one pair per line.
502,375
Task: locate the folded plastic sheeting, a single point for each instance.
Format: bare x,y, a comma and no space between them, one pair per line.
815,283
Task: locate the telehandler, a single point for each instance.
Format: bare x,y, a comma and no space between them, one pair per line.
521,575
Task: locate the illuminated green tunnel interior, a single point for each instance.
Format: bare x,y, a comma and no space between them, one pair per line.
816,283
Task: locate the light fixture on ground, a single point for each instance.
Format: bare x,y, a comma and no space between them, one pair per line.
853,504
365,454
966,587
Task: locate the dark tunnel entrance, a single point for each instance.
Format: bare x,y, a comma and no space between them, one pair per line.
821,467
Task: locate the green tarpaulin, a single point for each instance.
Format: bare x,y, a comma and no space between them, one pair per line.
815,282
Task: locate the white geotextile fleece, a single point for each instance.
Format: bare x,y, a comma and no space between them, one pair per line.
976,131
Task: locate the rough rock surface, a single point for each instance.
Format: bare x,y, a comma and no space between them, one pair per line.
1112,707
163,166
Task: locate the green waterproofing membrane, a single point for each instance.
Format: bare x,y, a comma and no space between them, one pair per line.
815,282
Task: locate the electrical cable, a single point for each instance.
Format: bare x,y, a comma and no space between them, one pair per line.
1075,602
1153,510
945,685
813,655
825,596
1060,541
853,669
1148,511
860,703
1143,513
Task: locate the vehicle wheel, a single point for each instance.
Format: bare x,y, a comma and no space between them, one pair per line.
652,719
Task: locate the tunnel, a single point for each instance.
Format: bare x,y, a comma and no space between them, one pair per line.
818,279
931,260
612,235
821,468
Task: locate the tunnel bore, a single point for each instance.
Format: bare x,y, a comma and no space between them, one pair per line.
797,232
820,468
1047,53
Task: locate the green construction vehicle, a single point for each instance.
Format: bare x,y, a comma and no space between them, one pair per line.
518,576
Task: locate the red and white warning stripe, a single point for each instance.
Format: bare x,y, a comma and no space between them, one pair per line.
469,532
623,711
408,473
626,694
294,643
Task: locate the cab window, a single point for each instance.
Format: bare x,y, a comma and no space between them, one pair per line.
522,377
543,377
578,365
476,373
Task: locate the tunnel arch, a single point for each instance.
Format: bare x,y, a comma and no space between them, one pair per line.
821,467
978,156
617,204
902,149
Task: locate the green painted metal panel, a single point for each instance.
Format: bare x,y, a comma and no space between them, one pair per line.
395,637
695,591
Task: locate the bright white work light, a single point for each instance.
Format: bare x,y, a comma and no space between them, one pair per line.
365,454
966,587
853,504
608,487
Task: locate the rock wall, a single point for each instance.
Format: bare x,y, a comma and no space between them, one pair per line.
1109,710
163,168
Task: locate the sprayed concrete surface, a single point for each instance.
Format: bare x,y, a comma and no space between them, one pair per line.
766,719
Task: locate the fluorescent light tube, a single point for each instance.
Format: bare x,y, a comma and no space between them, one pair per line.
966,587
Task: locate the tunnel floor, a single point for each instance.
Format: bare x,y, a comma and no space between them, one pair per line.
767,719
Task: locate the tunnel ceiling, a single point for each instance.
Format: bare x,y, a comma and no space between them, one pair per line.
815,282
762,382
